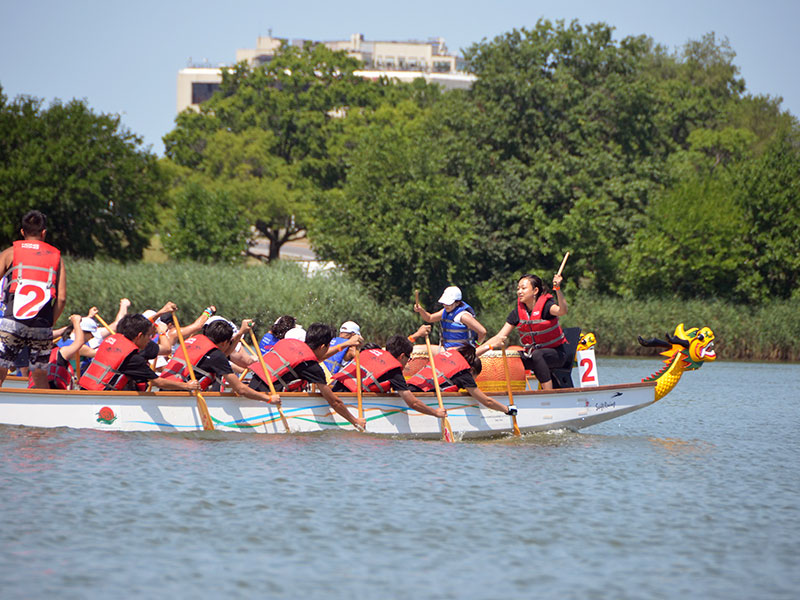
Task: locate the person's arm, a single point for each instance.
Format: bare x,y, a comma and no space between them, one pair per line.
171,384
339,407
419,406
69,352
124,305
61,298
355,340
473,323
499,338
87,352
426,316
241,389
422,331
192,328
488,402
246,326
6,258
560,309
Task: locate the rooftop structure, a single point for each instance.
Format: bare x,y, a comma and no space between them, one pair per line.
404,61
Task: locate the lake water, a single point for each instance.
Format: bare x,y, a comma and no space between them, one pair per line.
694,497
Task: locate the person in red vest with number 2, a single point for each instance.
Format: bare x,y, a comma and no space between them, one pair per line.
34,294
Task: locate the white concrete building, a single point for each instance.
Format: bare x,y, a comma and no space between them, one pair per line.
404,61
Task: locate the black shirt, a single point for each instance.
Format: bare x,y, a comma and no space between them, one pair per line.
463,379
309,371
136,367
215,362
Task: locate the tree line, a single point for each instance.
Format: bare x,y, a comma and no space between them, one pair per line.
656,169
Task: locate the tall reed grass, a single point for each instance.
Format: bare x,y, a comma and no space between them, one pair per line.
263,293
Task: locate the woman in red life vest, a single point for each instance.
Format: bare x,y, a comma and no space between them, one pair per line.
455,367
121,360
536,317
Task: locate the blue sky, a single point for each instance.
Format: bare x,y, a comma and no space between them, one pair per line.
123,57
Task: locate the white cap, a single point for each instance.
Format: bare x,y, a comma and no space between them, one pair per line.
450,295
89,324
350,327
149,314
296,333
218,318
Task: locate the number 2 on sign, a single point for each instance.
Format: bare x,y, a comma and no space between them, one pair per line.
588,374
29,298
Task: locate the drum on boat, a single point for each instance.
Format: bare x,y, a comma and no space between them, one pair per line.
492,377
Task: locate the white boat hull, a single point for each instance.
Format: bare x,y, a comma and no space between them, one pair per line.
386,414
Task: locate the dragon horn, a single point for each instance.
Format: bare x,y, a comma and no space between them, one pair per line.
654,342
678,341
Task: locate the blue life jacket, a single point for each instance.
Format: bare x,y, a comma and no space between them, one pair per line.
456,334
334,363
267,342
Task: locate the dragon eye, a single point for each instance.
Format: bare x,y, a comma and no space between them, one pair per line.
700,337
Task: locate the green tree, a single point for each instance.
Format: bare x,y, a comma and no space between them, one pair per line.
85,171
264,136
204,228
768,192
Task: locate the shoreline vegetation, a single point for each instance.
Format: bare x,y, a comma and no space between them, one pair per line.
763,332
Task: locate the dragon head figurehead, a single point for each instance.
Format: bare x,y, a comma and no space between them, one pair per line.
695,345
685,350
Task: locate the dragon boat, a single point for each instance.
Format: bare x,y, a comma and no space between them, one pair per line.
386,414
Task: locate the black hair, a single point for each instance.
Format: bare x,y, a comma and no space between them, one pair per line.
283,325
67,332
468,352
132,325
371,346
399,344
318,334
219,331
536,282
167,319
33,223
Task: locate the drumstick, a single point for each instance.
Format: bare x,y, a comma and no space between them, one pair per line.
563,262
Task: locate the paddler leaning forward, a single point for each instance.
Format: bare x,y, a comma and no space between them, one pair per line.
208,352
293,362
382,370
121,360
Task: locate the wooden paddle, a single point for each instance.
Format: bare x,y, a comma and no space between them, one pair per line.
358,385
563,262
268,378
104,324
202,407
447,431
514,425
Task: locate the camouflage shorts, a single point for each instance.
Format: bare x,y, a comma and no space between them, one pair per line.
14,337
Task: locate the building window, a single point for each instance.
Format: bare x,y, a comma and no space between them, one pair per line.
203,91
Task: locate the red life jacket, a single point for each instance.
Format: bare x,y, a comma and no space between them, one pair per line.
375,364
536,332
448,364
281,362
103,368
197,347
57,375
32,277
